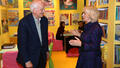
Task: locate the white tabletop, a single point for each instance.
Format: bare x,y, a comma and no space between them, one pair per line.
6,50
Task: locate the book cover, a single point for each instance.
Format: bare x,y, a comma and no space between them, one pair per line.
116,13
27,3
3,2
12,3
106,13
0,30
4,21
119,13
0,2
117,54
51,3
50,14
104,29
13,17
65,18
103,43
101,16
103,13
105,1
117,32
75,17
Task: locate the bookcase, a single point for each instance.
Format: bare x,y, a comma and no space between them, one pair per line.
112,48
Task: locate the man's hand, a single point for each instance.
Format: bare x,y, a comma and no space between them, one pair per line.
47,55
29,64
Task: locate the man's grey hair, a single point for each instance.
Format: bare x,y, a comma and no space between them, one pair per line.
35,5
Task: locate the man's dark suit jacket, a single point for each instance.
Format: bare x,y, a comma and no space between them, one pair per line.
29,45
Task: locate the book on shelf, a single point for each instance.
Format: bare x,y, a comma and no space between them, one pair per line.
118,0
8,46
105,29
103,43
50,14
92,2
117,54
0,2
12,3
117,32
3,2
101,2
118,13
74,18
103,13
13,17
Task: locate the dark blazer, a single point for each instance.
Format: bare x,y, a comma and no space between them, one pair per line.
29,45
90,52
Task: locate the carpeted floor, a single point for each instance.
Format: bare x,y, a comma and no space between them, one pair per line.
60,60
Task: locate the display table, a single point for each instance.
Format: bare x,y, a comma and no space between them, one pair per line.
6,50
67,37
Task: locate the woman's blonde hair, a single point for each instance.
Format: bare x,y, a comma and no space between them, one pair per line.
93,13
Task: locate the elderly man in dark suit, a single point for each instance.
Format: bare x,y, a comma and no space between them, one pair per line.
33,38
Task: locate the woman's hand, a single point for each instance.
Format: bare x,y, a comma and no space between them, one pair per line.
75,32
76,42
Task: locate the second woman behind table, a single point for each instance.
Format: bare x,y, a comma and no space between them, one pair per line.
60,32
81,26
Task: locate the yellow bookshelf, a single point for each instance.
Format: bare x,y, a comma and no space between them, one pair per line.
117,22
117,3
109,48
104,5
117,65
104,39
117,42
103,21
